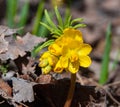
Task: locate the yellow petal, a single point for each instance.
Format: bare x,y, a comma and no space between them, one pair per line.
55,49
52,60
45,55
73,57
73,33
84,61
58,68
84,49
73,67
64,61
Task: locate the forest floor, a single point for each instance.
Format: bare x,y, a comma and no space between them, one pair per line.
23,85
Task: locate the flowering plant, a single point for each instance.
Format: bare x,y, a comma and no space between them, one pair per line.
67,52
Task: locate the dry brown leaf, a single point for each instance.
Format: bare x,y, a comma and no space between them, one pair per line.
27,69
3,44
5,87
22,90
8,31
28,42
19,47
44,79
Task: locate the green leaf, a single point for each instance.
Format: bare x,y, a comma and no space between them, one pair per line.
38,18
105,62
59,18
61,29
67,23
55,36
79,26
56,32
48,27
51,23
77,20
67,17
43,31
11,12
23,15
39,48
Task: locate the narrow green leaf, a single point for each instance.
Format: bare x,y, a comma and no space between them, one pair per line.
52,30
79,26
48,27
77,20
23,15
43,31
67,18
55,36
59,18
61,29
51,23
67,23
11,12
38,17
105,62
39,48
56,32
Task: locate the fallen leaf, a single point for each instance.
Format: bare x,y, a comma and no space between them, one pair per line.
28,42
8,31
19,47
44,79
3,44
29,68
22,90
6,88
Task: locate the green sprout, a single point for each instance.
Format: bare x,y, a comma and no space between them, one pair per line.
106,58
56,30
61,55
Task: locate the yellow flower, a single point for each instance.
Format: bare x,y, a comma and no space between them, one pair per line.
55,49
47,61
69,35
74,56
68,52
72,51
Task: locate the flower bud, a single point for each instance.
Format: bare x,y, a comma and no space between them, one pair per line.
43,63
46,69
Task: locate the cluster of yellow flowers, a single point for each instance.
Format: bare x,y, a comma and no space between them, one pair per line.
68,52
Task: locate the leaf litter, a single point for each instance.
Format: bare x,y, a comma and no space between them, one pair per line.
12,48
28,87
51,90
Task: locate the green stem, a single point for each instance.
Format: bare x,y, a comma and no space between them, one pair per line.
71,91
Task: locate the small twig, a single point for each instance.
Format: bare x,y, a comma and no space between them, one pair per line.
2,102
79,78
112,84
108,93
23,104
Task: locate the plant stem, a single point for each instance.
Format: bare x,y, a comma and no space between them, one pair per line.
71,91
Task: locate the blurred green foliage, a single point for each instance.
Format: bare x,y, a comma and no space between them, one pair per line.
11,12
106,57
42,31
